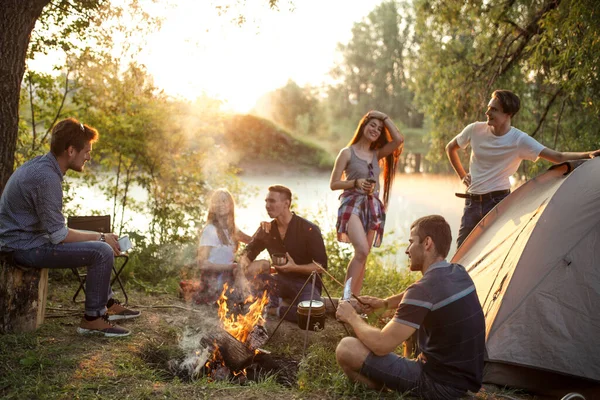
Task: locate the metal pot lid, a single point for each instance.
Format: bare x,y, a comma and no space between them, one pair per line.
315,304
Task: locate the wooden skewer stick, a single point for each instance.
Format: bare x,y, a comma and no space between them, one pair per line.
336,281
342,285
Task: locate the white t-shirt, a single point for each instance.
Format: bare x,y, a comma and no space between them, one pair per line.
219,253
495,158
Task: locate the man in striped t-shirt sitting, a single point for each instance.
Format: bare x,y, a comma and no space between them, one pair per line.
442,307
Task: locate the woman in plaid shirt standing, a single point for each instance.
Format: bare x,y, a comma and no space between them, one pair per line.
374,150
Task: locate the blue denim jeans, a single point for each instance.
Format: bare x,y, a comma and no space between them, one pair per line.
474,212
97,256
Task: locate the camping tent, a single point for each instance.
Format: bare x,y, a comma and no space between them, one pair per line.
535,261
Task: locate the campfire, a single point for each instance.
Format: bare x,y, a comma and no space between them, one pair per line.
236,342
223,349
240,326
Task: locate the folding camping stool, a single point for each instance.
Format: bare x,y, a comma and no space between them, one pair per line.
97,223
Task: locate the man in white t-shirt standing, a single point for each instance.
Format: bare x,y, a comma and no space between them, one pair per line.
497,149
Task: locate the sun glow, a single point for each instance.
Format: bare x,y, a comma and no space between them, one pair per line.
197,51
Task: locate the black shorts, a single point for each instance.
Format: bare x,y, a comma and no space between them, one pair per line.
406,375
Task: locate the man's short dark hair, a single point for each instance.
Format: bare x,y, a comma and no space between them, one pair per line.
510,102
70,132
286,192
436,227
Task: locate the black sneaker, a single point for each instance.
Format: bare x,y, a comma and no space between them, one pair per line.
101,326
116,312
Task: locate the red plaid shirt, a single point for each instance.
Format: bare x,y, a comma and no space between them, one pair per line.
367,207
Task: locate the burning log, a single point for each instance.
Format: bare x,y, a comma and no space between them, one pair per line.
240,334
257,337
236,354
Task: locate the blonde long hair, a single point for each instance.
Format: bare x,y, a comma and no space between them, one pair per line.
214,219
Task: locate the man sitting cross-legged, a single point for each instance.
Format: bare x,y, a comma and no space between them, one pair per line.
33,229
442,306
288,234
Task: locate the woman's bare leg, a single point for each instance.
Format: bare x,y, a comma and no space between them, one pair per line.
360,242
361,277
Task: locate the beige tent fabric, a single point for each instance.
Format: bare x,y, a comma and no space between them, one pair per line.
535,260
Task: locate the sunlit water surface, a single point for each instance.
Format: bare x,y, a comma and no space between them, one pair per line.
413,196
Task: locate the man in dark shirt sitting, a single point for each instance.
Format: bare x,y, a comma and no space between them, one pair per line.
294,236
442,306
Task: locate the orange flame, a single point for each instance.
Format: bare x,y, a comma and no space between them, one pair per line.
216,357
240,327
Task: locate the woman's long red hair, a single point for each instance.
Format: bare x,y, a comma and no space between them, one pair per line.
389,163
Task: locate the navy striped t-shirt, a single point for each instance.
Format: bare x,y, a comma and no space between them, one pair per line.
444,308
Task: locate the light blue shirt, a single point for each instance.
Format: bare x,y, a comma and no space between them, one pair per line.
31,206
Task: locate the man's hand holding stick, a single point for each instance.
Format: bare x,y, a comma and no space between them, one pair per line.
368,303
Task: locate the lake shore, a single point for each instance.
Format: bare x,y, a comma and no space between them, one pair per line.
276,168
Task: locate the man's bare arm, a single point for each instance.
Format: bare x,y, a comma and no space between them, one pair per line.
558,157
380,342
452,152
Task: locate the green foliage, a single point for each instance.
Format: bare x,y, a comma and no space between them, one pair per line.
44,100
294,108
240,12
257,139
545,51
149,142
373,73
77,26
62,23
158,268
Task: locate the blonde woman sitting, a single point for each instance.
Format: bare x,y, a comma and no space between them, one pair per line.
219,242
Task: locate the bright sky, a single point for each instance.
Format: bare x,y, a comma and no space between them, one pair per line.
197,51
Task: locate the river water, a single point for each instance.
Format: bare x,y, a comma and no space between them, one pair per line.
413,196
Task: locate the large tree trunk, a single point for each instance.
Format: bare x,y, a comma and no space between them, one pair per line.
17,20
23,295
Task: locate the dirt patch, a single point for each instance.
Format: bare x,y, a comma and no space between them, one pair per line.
184,358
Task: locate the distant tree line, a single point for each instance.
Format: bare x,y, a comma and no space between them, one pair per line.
433,64
430,64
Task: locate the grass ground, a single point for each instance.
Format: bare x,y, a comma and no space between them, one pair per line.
56,363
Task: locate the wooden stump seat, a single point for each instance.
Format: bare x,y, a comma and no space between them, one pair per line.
23,294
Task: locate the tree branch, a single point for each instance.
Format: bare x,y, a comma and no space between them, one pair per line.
114,218
562,108
525,35
32,112
59,111
545,113
532,29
